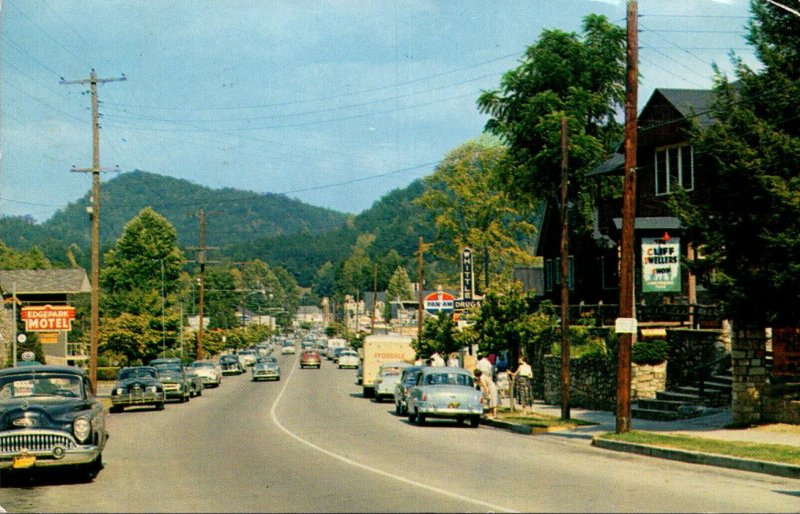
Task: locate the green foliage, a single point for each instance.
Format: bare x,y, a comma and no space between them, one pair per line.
649,352
399,288
501,322
32,258
356,341
561,75
438,336
748,228
107,373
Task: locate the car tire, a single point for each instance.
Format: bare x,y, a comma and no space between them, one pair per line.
86,473
412,417
160,406
421,419
115,409
397,409
474,421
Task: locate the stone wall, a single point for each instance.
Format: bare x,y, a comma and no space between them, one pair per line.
593,382
748,355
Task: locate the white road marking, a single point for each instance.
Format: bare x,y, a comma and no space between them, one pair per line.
351,462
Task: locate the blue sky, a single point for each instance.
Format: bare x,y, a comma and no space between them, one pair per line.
333,102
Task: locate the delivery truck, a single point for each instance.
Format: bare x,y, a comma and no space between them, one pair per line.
379,349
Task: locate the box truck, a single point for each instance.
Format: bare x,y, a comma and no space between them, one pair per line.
379,349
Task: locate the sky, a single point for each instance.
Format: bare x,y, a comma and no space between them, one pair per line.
333,102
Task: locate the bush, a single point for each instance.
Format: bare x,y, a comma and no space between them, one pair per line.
649,352
107,373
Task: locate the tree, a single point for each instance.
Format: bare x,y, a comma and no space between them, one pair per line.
470,211
438,336
325,280
399,289
357,269
582,78
32,258
747,229
501,321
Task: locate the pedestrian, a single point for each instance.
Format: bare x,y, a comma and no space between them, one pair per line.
523,384
452,360
485,365
489,390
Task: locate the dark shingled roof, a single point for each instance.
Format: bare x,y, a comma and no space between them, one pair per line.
691,102
45,281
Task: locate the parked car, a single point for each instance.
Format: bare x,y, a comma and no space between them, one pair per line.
408,378
247,357
442,392
196,384
348,359
137,385
310,359
288,348
177,384
266,368
230,365
388,376
49,416
209,371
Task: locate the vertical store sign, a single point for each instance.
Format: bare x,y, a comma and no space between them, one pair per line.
661,264
467,274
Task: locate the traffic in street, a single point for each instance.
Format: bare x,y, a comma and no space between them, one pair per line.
310,442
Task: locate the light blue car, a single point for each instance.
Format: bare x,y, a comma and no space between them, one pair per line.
442,392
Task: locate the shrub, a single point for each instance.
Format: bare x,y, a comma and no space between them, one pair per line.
649,352
108,373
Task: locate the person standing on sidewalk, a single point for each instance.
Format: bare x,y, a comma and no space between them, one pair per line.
489,390
523,384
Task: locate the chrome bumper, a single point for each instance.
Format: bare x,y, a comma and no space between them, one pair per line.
49,447
137,399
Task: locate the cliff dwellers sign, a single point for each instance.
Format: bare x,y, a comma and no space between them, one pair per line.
48,318
661,264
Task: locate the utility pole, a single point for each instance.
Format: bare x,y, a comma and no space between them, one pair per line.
95,170
419,292
374,296
201,260
564,275
626,325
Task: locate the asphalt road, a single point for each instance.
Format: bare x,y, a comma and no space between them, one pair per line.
311,443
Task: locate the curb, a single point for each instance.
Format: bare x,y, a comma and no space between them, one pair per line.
723,461
513,427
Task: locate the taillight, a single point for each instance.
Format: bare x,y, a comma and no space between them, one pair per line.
424,397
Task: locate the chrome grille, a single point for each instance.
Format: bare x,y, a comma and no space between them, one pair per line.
34,441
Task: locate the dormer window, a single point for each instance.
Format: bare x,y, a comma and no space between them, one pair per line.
674,168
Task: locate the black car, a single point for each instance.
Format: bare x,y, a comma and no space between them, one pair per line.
49,416
177,384
230,365
139,385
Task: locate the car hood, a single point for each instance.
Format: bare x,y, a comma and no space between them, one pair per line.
54,413
270,365
134,381
170,376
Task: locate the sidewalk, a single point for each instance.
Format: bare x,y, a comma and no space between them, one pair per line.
711,426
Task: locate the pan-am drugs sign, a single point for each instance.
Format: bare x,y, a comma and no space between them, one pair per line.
48,318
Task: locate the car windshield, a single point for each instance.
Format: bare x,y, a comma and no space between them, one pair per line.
125,374
171,366
348,354
202,364
390,371
228,358
53,385
448,379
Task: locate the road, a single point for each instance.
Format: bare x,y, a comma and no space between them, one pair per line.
311,443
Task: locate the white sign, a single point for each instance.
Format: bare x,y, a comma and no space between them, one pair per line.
661,264
625,326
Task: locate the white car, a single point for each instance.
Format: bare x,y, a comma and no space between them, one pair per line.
288,349
247,357
388,376
209,371
348,359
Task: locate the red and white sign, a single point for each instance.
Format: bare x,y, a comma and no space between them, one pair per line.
48,318
439,301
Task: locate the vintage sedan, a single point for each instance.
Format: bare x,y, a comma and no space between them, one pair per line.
388,376
49,416
266,368
210,372
177,384
138,385
408,378
288,348
230,365
310,359
443,392
348,359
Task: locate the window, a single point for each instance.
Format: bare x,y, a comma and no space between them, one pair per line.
552,273
674,168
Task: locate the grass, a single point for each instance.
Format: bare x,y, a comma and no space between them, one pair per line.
758,451
538,420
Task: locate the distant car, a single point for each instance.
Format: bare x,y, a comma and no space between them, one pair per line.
209,371
266,368
137,385
177,384
230,365
288,348
388,375
310,359
442,392
196,384
408,378
247,357
348,359
338,351
49,416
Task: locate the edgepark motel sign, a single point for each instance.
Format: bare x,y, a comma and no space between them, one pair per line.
48,318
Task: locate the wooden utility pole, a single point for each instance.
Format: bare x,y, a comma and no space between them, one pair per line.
564,274
201,260
626,325
95,171
420,306
374,296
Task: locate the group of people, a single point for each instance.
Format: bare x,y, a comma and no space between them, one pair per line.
522,380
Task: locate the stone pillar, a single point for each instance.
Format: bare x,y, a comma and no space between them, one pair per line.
748,353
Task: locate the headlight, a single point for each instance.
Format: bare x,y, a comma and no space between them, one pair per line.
82,429
119,391
152,389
